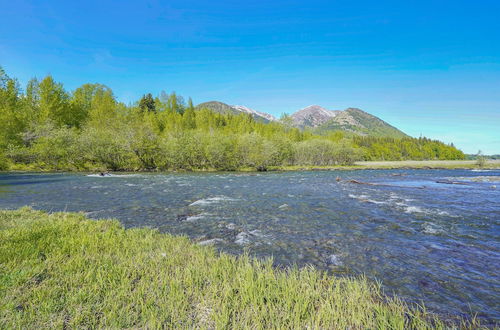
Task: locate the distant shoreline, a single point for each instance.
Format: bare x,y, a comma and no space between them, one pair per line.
394,165
433,164
361,165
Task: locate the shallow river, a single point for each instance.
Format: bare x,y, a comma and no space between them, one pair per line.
424,240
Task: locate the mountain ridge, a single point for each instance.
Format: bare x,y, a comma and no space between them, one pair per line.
224,108
254,112
319,119
313,116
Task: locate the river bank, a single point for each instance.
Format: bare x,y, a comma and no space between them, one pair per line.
360,165
401,164
63,269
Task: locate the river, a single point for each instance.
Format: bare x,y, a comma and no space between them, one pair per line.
427,235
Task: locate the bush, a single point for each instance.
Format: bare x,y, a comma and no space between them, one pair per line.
183,150
257,152
108,148
345,154
145,145
4,164
321,152
220,152
20,155
59,149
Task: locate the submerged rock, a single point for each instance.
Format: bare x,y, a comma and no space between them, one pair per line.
231,226
242,238
188,217
334,260
211,241
211,200
183,217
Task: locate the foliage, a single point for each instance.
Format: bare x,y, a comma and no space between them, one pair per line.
406,148
63,270
320,152
50,128
4,165
147,103
480,159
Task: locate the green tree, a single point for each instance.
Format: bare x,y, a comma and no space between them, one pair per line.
85,98
32,99
189,116
54,103
147,103
13,118
103,110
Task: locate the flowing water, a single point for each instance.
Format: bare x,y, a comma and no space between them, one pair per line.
427,235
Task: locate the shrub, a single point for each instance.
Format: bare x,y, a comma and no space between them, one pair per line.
221,153
4,165
257,152
108,148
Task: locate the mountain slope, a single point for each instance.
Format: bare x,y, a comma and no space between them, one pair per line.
235,110
313,116
254,112
351,120
217,106
360,122
374,125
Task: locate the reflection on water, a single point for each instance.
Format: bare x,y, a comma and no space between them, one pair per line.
430,235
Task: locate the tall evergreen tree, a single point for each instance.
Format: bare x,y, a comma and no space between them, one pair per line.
147,103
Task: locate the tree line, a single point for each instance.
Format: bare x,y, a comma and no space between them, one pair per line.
43,126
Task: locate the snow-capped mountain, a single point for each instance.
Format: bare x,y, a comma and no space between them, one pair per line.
318,118
242,108
313,116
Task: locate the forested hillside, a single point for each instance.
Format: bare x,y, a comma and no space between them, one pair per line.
43,126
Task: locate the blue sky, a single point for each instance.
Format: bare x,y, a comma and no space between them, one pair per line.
427,67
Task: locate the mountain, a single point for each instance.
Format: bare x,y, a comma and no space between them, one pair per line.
235,110
313,116
351,120
254,113
219,107
319,119
366,124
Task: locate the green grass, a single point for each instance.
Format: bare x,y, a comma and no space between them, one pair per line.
64,270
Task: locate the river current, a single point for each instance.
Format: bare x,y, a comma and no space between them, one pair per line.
427,235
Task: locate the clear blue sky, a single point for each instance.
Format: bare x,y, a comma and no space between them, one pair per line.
427,67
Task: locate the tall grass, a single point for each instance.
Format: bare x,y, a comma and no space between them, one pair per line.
64,270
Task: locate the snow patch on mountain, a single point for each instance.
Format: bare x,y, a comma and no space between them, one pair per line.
242,108
313,116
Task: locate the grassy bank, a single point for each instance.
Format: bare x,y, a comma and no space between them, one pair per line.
63,270
365,165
